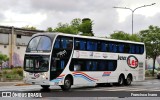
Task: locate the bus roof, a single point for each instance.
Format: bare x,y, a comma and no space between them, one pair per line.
50,34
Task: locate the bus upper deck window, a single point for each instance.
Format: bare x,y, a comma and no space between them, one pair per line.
103,48
82,45
64,43
121,48
57,43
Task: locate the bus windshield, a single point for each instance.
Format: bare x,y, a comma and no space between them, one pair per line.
39,44
35,63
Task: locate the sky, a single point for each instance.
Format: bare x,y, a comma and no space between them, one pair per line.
106,19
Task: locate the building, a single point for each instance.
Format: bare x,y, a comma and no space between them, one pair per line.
13,42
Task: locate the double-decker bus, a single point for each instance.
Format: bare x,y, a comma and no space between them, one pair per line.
66,60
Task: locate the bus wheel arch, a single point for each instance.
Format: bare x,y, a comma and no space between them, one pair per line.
71,77
68,81
121,79
129,79
45,86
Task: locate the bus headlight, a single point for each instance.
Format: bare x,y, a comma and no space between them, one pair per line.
45,75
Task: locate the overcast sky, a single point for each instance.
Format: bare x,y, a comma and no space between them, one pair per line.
106,19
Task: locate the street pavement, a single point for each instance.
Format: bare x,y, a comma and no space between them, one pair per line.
149,85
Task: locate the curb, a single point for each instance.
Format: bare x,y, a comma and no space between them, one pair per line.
149,78
22,84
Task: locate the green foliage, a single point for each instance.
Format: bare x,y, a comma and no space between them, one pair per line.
66,28
5,72
12,74
29,27
124,36
86,27
147,73
151,38
49,29
3,58
76,26
20,71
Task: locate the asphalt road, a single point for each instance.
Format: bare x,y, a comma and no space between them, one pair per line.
151,86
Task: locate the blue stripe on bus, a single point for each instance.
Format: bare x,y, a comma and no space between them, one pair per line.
82,76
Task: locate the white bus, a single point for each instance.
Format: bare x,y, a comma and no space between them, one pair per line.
65,60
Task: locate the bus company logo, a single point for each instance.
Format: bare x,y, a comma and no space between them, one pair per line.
61,53
36,75
122,58
132,61
106,73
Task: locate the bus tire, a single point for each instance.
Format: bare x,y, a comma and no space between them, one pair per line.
67,84
120,80
45,86
128,80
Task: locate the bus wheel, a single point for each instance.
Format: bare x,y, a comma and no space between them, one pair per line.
45,86
120,80
128,80
67,84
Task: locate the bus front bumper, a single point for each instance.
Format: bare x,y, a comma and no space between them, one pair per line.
36,82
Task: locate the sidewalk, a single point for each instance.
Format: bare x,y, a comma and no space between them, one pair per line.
149,78
18,83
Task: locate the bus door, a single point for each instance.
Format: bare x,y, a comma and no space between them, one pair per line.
60,55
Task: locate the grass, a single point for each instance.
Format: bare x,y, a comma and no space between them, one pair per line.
11,74
148,73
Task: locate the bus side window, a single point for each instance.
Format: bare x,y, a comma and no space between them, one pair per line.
110,47
57,43
102,66
94,45
112,65
103,47
64,43
114,48
132,49
69,43
89,45
126,48
88,65
121,48
82,45
94,66
98,46
77,67
141,49
54,64
137,49
62,64
77,44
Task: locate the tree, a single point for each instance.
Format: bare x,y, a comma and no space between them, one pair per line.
76,23
29,27
151,38
65,28
86,27
3,58
49,29
124,36
76,26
